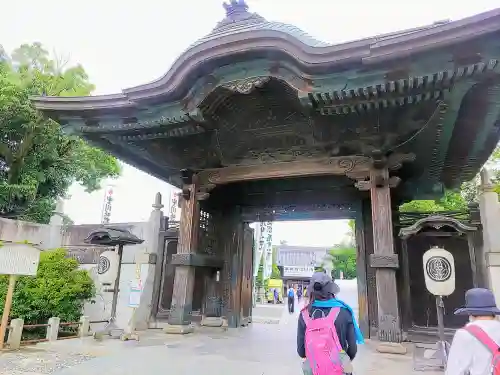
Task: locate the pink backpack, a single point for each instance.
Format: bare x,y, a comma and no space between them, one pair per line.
486,340
322,343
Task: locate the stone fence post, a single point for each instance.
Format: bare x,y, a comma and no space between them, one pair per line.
53,329
15,333
84,327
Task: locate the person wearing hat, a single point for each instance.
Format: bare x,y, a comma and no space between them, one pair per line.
322,291
472,347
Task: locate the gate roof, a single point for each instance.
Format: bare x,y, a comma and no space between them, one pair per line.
254,92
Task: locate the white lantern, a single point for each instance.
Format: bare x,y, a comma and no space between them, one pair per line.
107,268
439,271
19,259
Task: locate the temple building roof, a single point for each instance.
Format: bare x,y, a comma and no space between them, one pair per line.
256,92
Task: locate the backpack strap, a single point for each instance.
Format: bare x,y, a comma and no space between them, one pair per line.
482,337
305,315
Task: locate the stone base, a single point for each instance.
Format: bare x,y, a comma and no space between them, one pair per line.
391,348
178,329
208,321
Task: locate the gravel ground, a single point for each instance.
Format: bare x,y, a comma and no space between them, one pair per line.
26,362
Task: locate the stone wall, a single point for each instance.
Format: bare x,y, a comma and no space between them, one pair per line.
489,208
137,264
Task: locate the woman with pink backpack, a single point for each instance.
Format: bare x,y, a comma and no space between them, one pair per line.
327,333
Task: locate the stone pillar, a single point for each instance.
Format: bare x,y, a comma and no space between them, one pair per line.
145,262
56,223
182,296
15,333
53,329
84,327
490,217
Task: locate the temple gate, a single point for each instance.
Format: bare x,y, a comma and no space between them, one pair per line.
258,121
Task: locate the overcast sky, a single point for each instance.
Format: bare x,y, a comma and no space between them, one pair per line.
126,43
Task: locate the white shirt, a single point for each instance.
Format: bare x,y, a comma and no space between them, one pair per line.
468,355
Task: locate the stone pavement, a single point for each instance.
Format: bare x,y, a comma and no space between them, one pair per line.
260,349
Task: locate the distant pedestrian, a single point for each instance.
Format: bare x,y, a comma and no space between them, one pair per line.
276,296
475,348
291,300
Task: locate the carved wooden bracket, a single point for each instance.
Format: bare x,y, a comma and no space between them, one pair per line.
384,261
379,182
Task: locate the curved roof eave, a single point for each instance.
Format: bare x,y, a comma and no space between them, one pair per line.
367,51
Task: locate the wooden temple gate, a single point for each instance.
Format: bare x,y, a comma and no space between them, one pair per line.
258,121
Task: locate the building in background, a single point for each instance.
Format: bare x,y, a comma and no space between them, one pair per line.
299,262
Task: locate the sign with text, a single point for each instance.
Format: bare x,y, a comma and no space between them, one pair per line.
298,271
19,259
439,271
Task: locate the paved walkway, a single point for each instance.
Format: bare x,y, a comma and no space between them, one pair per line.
259,349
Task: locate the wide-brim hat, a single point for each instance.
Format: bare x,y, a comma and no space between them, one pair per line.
328,286
479,301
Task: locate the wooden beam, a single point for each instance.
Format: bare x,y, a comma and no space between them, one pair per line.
356,165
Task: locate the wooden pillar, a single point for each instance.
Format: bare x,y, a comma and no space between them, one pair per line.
182,296
361,271
384,260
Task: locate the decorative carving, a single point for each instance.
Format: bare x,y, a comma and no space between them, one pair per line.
436,222
395,161
388,330
312,167
247,85
384,261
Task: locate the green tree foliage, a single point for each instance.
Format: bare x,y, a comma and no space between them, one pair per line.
343,258
458,200
59,289
38,162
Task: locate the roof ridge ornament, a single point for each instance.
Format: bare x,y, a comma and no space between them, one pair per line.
235,7
237,14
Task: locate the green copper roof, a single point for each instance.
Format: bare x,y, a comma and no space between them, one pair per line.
240,20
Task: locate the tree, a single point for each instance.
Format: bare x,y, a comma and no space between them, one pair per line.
458,200
59,289
38,162
343,258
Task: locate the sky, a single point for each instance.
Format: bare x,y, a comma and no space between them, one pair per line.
122,44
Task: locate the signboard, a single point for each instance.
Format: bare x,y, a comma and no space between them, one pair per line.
106,207
298,271
439,271
174,210
19,259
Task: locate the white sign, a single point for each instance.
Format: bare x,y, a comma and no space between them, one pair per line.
134,297
19,259
439,271
107,268
297,271
174,210
106,206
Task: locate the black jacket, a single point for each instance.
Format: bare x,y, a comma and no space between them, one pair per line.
343,325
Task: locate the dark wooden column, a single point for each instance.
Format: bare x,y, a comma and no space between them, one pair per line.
182,297
383,259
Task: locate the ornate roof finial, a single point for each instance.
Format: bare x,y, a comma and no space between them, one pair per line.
235,7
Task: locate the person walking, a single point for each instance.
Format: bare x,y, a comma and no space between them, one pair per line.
327,322
475,348
291,300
